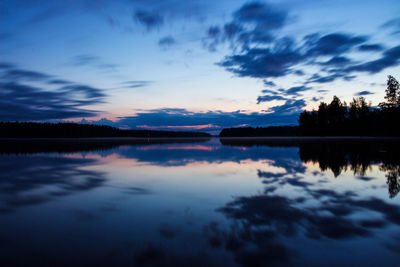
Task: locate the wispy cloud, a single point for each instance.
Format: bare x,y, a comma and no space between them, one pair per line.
20,99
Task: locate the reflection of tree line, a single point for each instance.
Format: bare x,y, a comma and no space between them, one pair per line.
340,155
356,156
393,178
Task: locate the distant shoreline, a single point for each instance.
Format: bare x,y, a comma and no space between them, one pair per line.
123,139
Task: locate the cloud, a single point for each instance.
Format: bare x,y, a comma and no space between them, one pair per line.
267,98
150,20
296,90
283,94
390,58
253,23
85,59
92,61
262,15
17,74
6,65
291,106
88,91
316,99
337,61
166,41
20,100
265,52
394,25
269,83
332,44
58,81
136,84
316,78
364,93
262,63
370,47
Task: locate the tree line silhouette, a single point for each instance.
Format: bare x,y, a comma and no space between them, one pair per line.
359,118
337,118
75,130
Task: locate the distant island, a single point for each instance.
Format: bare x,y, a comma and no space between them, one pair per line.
76,130
339,119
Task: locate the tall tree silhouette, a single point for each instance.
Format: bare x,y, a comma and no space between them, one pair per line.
392,92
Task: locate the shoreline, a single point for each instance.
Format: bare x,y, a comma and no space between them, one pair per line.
127,139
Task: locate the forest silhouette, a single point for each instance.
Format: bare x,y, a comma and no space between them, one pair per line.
337,118
75,130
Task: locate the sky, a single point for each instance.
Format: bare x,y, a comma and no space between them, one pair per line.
191,65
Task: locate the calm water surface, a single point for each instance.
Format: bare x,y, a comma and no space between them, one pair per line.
201,203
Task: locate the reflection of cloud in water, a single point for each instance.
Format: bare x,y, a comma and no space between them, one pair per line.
29,180
263,223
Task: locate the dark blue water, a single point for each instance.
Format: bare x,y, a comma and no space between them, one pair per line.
201,203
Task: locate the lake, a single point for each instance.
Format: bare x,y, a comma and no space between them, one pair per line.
205,202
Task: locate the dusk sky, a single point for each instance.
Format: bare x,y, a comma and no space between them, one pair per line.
180,64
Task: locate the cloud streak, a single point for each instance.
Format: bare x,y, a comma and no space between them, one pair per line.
22,100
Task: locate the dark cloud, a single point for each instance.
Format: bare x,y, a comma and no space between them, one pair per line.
262,63
291,106
299,72
26,103
262,15
371,47
17,74
213,38
267,98
166,41
296,90
316,99
269,83
316,78
150,20
283,94
390,58
362,93
269,91
253,23
337,61
88,91
20,100
332,44
58,81
6,66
